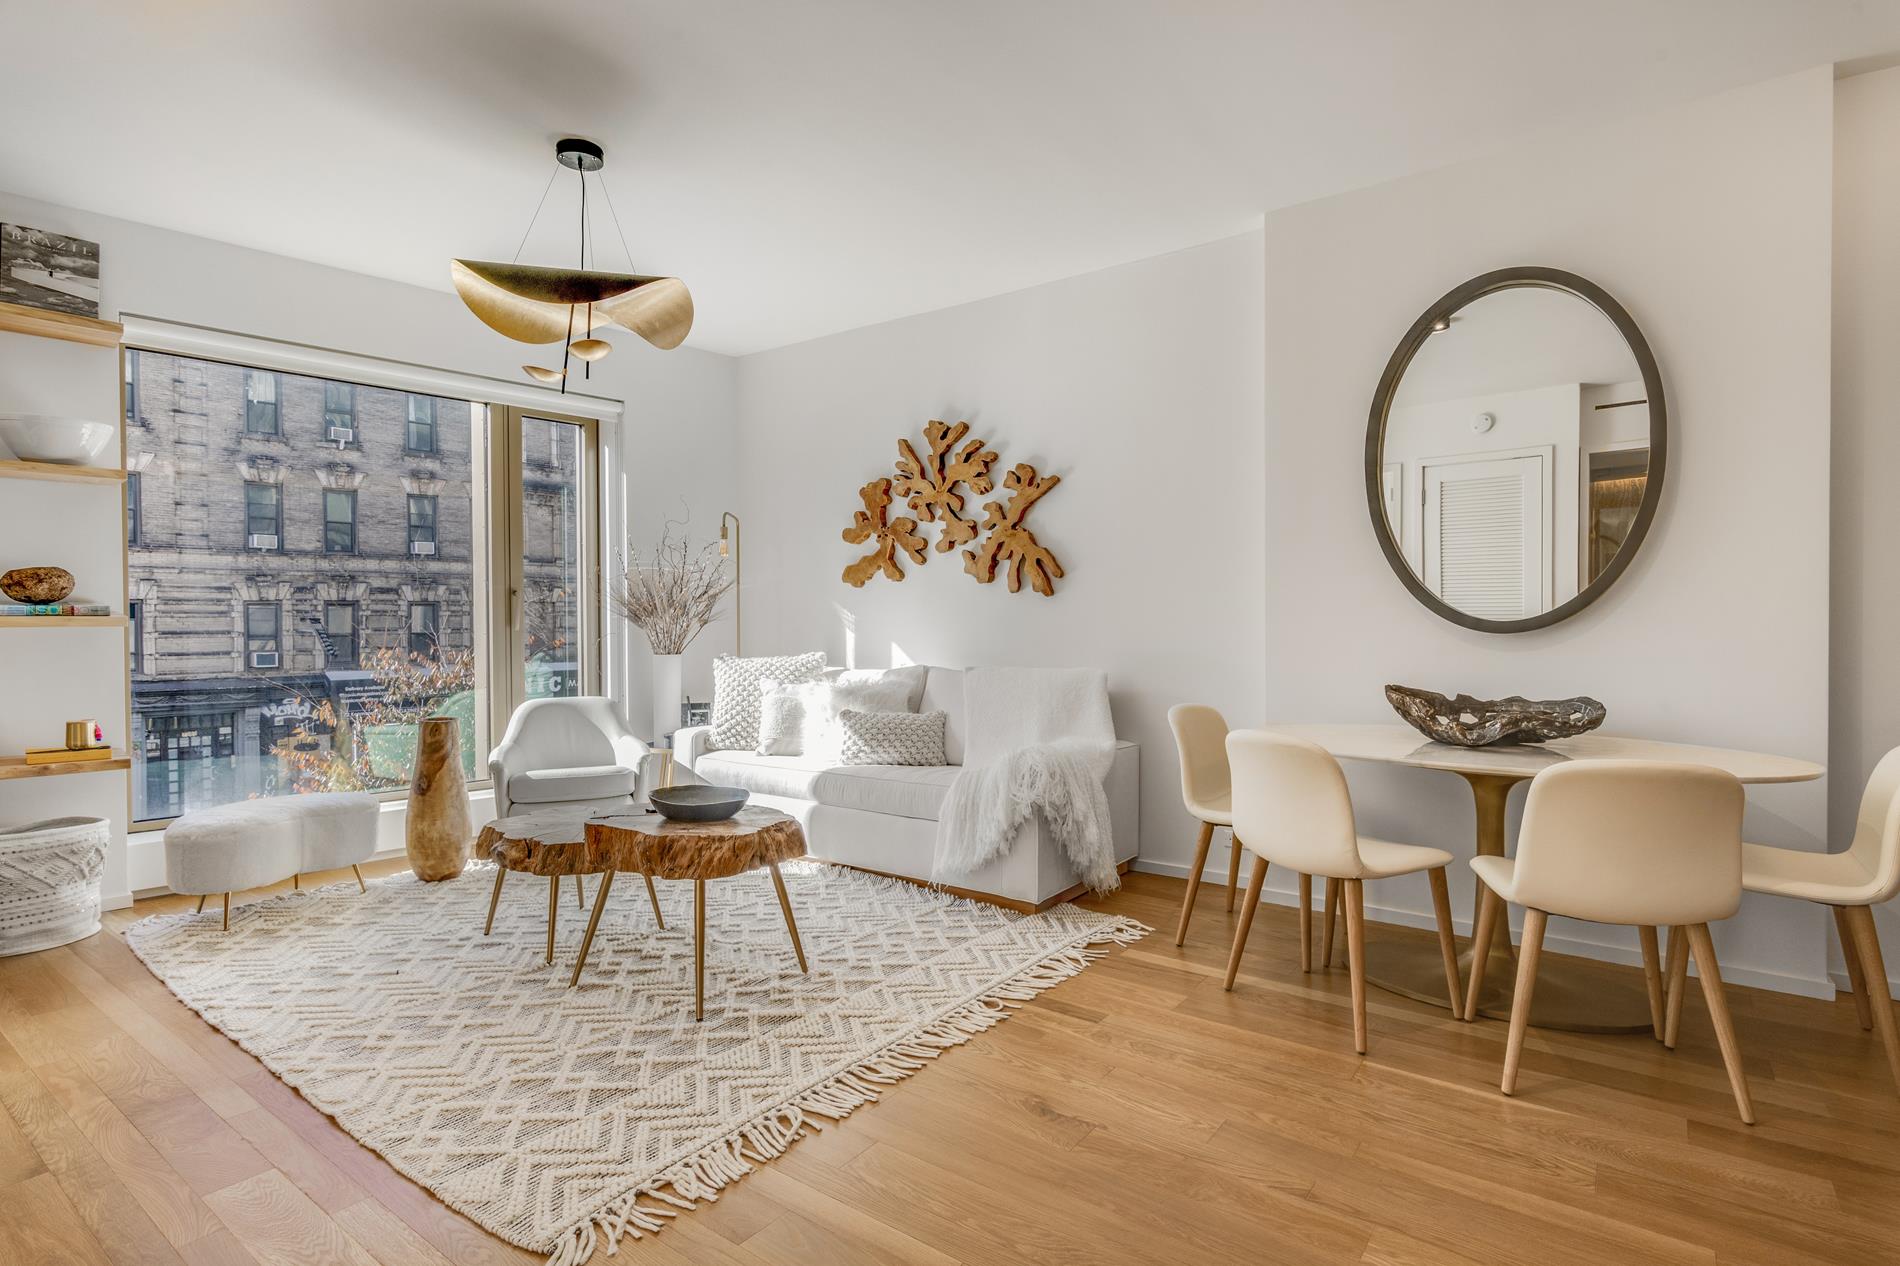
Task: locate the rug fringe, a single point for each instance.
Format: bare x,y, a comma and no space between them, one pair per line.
704,1175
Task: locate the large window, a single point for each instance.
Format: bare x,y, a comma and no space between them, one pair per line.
339,521
393,589
263,516
420,437
260,403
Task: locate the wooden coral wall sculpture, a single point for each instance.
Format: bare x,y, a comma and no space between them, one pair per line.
932,485
893,536
929,484
1010,544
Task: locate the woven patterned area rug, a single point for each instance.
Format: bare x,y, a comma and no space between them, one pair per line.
560,1118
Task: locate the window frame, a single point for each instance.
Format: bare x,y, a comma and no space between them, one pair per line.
432,630
349,494
331,413
129,382
411,422
276,403
433,525
277,507
355,659
134,509
253,642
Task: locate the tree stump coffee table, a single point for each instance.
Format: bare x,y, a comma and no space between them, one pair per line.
552,842
661,848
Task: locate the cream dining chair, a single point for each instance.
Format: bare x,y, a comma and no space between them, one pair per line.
1292,808
1200,737
1853,883
1637,843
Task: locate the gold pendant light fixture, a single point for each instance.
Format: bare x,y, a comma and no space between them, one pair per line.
531,304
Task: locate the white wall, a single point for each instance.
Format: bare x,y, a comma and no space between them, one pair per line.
1141,387
676,438
1864,700
1711,224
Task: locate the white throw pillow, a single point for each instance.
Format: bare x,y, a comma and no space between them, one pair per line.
781,719
822,735
736,698
912,675
891,738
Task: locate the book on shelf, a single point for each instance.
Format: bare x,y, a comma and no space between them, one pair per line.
54,608
61,755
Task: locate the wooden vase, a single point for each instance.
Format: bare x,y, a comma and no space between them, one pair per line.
439,831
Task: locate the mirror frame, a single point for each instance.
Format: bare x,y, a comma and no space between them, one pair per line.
1447,306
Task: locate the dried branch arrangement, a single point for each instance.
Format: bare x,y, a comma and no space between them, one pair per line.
932,485
671,594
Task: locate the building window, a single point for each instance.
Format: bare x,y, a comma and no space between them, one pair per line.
263,631
420,435
134,513
135,614
260,403
424,620
339,521
339,412
339,627
131,401
263,516
421,524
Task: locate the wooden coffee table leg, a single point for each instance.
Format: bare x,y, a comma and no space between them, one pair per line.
699,949
791,924
654,897
554,907
593,921
580,894
494,899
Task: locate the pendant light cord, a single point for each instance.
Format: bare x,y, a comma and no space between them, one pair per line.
537,214
608,194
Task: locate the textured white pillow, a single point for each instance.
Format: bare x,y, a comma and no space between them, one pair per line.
781,719
891,738
912,675
735,719
824,700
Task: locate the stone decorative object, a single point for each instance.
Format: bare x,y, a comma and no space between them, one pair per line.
37,584
698,802
439,832
1467,722
49,882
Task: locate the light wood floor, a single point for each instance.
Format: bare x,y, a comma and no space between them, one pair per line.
1134,1114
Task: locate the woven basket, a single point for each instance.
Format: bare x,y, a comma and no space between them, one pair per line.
49,882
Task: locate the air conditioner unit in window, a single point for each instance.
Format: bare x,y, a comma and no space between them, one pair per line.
263,659
425,548
343,434
263,540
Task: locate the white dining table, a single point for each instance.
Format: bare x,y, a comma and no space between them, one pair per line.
1564,999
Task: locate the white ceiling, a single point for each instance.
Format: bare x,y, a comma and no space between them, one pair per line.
815,165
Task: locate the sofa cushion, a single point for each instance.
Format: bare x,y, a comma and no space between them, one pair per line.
943,692
905,791
581,782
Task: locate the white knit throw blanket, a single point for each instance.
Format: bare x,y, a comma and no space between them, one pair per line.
1040,739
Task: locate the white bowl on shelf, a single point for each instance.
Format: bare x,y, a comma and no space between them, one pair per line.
41,437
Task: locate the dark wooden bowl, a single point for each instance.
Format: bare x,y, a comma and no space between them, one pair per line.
698,802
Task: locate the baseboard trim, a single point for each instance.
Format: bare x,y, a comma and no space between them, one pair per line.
1777,982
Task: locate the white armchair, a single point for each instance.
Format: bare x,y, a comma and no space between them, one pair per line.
572,753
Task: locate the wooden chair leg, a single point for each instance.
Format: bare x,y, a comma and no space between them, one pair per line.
1246,919
201,904
1447,942
494,899
358,872
1860,919
296,882
1704,947
1529,949
1194,882
1489,907
1306,923
1652,977
1332,920
654,897
1856,975
554,911
1233,870
1677,986
1355,894
227,912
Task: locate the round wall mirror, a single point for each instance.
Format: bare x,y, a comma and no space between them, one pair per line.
1514,457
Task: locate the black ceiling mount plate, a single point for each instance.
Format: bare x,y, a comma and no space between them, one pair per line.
579,155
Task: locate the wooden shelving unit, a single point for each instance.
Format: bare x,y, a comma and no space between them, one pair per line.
55,472
63,621
16,767
73,329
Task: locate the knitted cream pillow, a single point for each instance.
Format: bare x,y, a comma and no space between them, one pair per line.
735,717
891,738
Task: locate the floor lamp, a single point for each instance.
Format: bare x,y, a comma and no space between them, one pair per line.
729,548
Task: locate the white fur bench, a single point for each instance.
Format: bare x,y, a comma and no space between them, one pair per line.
254,843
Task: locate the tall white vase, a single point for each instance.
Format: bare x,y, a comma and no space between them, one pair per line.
666,695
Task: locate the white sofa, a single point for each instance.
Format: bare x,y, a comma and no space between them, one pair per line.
883,818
